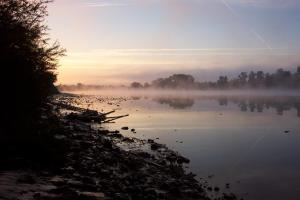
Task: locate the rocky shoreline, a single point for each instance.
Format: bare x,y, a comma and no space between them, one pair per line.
97,167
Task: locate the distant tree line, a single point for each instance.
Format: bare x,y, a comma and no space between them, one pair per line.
252,80
175,81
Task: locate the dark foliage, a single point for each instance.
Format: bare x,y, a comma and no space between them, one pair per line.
280,79
27,60
28,64
136,85
175,81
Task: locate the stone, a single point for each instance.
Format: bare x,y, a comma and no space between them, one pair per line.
92,195
155,146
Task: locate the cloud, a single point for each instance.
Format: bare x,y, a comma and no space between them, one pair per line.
187,52
268,3
105,4
126,65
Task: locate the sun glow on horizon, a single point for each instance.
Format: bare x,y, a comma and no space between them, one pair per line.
121,41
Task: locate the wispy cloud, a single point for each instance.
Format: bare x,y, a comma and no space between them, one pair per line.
269,3
105,4
186,52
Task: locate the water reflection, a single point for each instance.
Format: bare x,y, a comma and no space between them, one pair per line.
259,104
246,104
240,139
177,103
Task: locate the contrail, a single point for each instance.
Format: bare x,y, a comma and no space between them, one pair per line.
257,36
261,39
229,7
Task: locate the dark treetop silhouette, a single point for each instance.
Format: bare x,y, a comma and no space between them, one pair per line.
253,80
27,59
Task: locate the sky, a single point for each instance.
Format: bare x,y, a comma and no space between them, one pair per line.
119,41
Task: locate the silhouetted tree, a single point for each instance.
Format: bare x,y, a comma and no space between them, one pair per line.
243,79
146,85
223,82
251,79
297,78
28,61
260,78
136,85
175,81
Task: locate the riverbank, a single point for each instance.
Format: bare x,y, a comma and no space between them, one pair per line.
94,166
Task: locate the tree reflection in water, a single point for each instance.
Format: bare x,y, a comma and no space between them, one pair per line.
177,103
245,103
259,104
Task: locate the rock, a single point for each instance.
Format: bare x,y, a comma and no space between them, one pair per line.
107,143
103,132
156,146
116,131
229,197
69,169
210,176
92,195
26,179
150,141
171,157
73,183
227,185
57,181
191,175
37,195
181,159
120,196
117,135
125,128
144,154
126,139
60,137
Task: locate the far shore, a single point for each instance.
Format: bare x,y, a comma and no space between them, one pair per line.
187,92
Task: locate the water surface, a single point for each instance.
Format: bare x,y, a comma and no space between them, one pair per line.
251,142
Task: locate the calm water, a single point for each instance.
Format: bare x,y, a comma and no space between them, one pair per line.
253,143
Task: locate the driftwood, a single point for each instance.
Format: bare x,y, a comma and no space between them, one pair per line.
87,115
111,119
109,112
68,107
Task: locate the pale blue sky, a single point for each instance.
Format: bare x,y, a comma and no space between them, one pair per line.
116,41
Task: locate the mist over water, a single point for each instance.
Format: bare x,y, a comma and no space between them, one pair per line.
187,92
249,139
